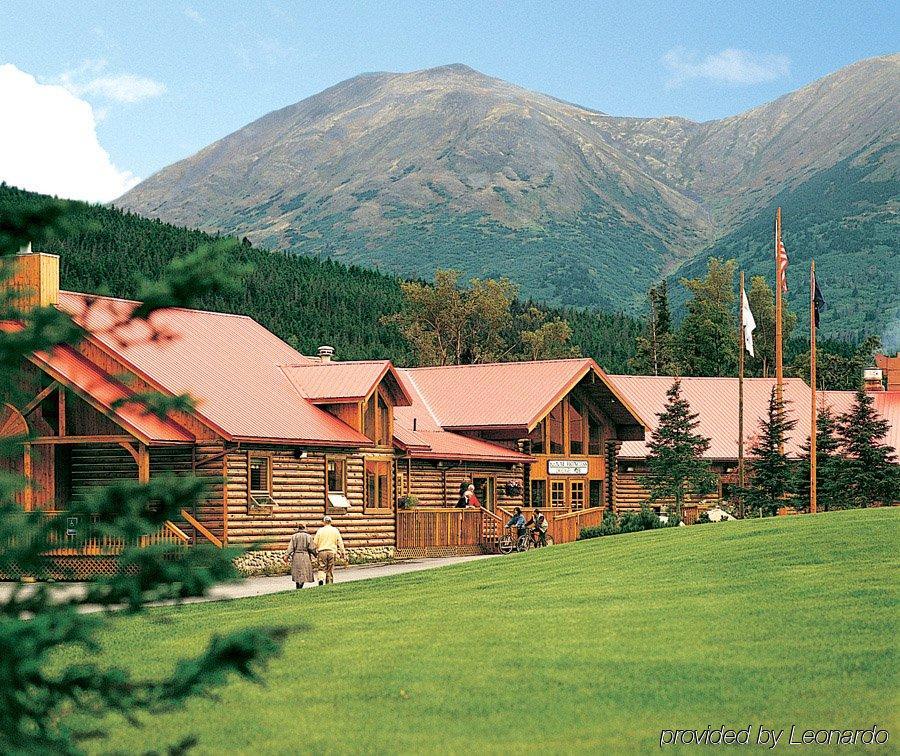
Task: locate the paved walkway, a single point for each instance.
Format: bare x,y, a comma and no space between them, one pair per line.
262,586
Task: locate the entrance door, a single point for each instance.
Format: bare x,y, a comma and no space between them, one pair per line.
485,490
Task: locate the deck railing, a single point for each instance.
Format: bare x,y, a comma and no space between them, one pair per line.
564,526
438,527
83,540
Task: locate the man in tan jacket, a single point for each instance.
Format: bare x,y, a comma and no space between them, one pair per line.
329,544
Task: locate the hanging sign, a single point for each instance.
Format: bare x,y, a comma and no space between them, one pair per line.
567,467
71,526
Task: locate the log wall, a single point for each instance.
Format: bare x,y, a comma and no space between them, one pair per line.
298,490
630,494
435,487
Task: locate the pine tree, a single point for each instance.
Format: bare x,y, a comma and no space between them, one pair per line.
771,473
706,344
655,347
676,467
871,475
830,487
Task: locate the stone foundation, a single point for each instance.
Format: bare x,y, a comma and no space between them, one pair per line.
255,563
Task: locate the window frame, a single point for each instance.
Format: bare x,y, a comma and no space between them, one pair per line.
263,455
329,503
384,501
557,486
581,487
582,412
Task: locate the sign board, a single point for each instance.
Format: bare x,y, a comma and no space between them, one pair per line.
71,526
567,467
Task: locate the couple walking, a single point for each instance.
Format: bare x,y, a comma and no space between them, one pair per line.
325,546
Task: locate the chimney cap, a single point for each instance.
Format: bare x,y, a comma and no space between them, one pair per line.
325,353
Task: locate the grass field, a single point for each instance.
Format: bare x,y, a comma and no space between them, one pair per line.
593,645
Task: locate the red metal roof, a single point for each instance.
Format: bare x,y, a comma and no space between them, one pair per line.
229,364
430,441
336,382
76,372
509,394
715,400
886,403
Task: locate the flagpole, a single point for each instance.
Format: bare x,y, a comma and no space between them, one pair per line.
741,340
812,386
779,370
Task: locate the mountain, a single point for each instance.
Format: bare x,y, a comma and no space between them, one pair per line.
306,301
448,167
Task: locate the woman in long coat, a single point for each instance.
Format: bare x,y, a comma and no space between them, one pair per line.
300,553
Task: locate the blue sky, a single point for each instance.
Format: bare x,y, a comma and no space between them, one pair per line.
164,79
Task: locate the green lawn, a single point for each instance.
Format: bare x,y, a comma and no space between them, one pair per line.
591,645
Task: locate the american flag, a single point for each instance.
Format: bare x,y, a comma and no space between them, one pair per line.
782,265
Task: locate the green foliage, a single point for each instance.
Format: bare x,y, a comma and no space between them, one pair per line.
304,300
656,346
675,464
707,341
609,526
830,474
871,475
839,366
48,703
762,305
629,522
771,473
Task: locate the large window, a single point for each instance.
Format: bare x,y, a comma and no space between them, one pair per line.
595,435
538,493
576,427
577,489
378,485
557,493
596,493
557,438
336,482
377,420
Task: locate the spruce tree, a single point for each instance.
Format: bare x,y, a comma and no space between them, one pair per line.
830,487
655,347
771,473
676,467
871,474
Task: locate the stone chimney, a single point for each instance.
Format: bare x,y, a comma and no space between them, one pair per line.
35,278
325,353
872,380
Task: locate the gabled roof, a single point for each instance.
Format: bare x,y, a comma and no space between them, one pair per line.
229,364
715,400
74,371
341,382
886,403
430,441
513,395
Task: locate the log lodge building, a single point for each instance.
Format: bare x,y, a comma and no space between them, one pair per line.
285,438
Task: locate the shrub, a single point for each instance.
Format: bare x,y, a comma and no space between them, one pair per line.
407,502
609,526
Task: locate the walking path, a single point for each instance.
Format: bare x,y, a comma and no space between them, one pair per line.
262,586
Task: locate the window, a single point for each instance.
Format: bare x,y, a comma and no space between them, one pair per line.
369,419
576,427
336,482
383,436
538,493
537,438
595,435
555,420
260,475
595,493
557,493
378,485
577,494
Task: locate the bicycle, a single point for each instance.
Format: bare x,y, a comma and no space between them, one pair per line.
510,542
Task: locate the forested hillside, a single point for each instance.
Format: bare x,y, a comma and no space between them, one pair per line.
306,301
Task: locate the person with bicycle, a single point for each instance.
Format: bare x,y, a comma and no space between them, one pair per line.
540,525
517,521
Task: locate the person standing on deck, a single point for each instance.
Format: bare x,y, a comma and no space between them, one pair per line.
300,552
471,498
328,544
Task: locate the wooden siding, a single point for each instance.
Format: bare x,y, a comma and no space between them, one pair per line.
630,494
434,487
298,490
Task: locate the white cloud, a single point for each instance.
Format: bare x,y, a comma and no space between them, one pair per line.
89,80
48,142
729,66
193,14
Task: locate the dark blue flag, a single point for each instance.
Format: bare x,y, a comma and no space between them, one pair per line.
818,302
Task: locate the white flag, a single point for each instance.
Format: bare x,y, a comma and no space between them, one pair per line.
749,323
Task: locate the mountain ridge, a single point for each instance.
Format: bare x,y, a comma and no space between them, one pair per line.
450,167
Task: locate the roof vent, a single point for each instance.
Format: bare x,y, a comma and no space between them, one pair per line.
873,379
325,353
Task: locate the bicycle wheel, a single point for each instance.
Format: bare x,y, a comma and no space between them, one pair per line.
549,540
505,545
